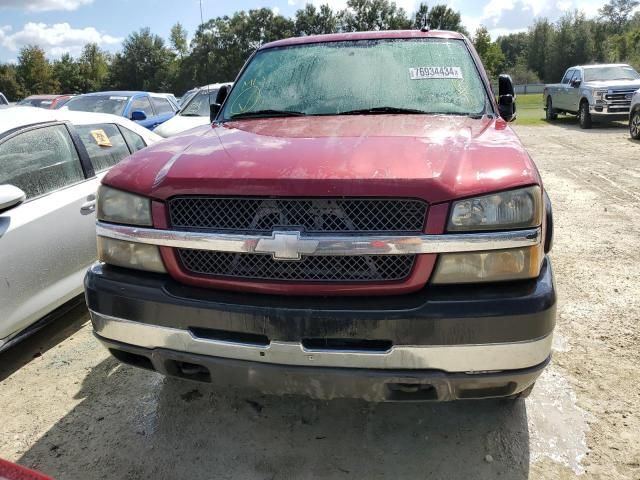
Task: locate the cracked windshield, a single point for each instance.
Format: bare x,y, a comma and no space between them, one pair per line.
319,239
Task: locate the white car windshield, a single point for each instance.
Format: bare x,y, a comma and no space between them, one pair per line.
604,74
198,106
412,75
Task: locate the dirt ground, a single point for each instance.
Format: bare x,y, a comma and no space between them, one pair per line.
68,409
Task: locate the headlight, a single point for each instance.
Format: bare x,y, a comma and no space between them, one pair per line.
130,255
599,94
116,206
521,208
493,266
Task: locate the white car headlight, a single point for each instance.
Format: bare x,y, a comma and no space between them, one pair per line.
116,206
521,208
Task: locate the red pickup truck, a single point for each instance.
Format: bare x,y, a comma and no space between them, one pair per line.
357,221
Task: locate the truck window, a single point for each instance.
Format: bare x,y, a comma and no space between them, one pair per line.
577,75
567,76
428,75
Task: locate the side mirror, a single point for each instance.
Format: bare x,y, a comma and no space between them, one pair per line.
138,116
214,108
575,83
10,197
506,98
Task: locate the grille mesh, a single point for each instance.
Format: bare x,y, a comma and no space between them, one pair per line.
262,215
361,268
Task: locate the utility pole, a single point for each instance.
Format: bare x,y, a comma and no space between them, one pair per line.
201,15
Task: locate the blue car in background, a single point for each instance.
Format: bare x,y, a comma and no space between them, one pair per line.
147,109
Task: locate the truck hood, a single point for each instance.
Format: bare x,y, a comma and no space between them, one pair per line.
614,84
436,158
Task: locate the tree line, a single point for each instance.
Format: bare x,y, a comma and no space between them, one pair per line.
221,45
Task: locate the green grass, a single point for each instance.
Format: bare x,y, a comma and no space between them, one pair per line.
530,109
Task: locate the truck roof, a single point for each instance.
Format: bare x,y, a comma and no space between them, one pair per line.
598,65
341,37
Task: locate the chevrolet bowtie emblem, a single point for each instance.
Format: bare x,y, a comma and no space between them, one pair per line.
286,246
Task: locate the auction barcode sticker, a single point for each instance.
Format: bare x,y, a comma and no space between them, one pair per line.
422,73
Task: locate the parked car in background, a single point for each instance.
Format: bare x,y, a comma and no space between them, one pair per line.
634,116
194,113
51,162
3,100
146,109
187,96
600,92
171,97
45,101
359,222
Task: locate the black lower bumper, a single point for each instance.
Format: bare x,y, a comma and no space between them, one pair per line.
329,383
452,315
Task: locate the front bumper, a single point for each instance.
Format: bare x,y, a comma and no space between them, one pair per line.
610,111
327,383
437,344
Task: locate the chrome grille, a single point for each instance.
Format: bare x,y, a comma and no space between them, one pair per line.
620,97
360,268
317,215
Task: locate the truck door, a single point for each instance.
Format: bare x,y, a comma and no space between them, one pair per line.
562,100
573,91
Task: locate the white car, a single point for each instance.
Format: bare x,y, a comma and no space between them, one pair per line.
51,163
194,113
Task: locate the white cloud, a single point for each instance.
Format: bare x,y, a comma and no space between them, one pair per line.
55,39
275,10
291,2
510,16
44,5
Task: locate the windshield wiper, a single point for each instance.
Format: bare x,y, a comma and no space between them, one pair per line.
191,115
380,110
267,113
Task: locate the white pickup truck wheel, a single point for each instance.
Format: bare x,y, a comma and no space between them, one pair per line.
550,114
634,125
585,116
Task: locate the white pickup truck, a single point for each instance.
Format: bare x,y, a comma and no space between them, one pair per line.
593,91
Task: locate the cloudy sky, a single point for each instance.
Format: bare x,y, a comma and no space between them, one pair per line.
66,25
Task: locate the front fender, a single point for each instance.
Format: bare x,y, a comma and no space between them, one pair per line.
587,94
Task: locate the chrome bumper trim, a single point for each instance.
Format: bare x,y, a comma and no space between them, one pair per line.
331,245
449,358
